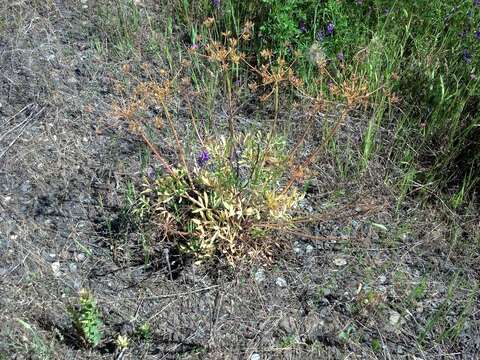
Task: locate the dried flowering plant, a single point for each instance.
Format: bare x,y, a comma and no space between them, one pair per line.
229,206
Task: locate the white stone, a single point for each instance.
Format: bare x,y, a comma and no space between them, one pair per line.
56,268
340,261
281,282
260,275
394,318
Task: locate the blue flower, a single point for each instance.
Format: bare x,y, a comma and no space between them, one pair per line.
216,4
340,56
203,158
331,27
466,56
302,27
320,35
476,2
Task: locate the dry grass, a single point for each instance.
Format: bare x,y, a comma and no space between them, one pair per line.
66,177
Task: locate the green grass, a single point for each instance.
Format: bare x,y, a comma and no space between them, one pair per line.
410,56
447,321
420,72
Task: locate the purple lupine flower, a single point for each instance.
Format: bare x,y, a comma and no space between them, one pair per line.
466,56
331,27
477,34
320,35
340,56
216,4
476,2
302,27
203,158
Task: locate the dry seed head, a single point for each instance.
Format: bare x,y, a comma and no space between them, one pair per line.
253,86
126,68
317,55
209,22
266,53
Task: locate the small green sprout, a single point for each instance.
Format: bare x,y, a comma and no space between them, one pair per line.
122,342
145,331
86,319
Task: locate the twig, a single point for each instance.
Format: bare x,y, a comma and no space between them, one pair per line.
186,293
157,154
25,123
14,116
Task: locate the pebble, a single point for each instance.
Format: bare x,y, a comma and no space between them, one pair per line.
260,275
296,248
281,282
340,261
77,284
80,257
72,267
394,318
255,356
382,279
309,249
56,268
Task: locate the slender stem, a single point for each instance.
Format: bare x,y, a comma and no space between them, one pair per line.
317,151
180,149
157,154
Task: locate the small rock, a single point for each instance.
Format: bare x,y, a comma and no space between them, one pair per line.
72,267
309,249
80,257
77,284
382,279
281,282
255,356
260,275
56,268
394,318
340,261
7,199
296,248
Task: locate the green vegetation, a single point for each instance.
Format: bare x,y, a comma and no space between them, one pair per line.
416,61
86,319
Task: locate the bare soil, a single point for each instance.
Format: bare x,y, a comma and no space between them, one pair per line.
386,281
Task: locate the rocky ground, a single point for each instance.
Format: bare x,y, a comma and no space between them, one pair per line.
384,281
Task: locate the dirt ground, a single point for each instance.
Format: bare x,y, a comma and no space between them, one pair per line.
387,281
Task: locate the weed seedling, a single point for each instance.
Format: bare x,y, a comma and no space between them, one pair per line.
86,319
